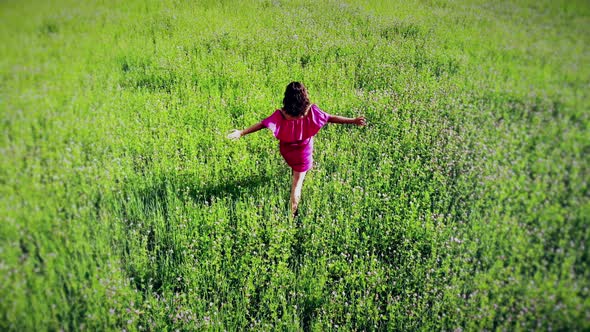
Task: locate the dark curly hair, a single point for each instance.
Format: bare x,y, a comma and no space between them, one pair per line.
296,100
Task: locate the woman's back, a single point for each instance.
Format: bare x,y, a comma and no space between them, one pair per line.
296,129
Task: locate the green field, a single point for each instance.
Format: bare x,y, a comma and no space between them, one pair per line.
462,205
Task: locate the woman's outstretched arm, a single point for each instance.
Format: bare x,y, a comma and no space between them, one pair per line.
360,121
235,134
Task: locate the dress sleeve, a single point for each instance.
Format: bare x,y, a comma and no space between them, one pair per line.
313,122
320,118
272,122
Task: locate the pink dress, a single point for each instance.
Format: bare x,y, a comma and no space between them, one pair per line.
296,136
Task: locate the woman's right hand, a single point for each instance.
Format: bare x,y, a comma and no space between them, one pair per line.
235,134
360,121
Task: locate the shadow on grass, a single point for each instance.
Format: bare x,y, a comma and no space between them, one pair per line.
184,188
150,225
232,189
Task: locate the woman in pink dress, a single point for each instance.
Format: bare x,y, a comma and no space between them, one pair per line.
294,126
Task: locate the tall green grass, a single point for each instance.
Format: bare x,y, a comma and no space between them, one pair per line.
462,205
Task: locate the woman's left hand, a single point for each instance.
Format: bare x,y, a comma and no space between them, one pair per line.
235,134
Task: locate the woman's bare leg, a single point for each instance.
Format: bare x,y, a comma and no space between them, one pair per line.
298,178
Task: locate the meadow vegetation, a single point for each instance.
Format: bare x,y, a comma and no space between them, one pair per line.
463,204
